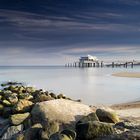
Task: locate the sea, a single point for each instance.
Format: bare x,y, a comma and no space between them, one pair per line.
92,85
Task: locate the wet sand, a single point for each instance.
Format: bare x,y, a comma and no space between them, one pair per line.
128,74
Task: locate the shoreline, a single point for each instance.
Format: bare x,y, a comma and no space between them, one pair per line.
123,106
127,74
128,111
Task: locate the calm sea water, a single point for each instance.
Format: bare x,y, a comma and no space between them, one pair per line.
92,85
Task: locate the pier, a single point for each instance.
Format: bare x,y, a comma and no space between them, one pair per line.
92,61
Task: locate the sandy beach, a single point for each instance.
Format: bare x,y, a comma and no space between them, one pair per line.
128,74
130,111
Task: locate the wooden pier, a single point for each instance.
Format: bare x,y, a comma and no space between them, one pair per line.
92,61
101,64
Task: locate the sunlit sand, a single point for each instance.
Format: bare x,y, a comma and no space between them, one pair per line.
128,74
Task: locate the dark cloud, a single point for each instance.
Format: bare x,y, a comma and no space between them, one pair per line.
54,26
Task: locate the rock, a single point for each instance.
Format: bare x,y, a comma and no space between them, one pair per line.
30,89
17,119
21,89
15,89
23,106
12,130
12,88
93,129
107,116
43,97
70,133
10,83
58,136
3,129
6,103
0,97
3,121
27,123
33,132
91,117
127,125
1,108
60,96
12,99
65,112
7,112
6,93
4,124
35,93
49,129
25,96
133,134
18,137
3,84
53,95
130,135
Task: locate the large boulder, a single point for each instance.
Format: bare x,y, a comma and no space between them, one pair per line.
65,112
108,116
93,129
23,106
17,119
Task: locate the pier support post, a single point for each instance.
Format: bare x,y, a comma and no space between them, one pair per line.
79,64
112,64
126,64
98,64
101,64
132,65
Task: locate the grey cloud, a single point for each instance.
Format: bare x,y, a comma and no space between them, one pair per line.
37,23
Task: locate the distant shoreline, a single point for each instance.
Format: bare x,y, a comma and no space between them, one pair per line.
128,74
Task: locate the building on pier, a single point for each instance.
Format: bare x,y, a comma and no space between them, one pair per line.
88,61
88,58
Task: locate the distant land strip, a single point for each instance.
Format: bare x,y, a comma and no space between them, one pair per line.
128,74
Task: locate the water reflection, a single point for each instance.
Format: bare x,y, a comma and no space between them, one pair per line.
92,85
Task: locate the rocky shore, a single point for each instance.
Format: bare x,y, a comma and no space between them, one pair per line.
27,113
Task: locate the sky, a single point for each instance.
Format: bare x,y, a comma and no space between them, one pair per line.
53,32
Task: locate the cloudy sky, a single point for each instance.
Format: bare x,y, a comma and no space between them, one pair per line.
44,32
